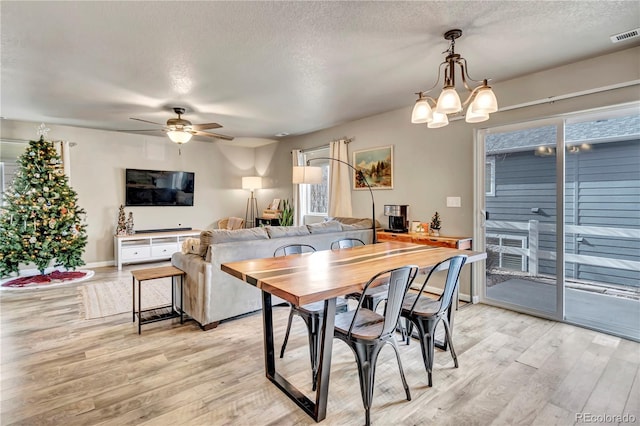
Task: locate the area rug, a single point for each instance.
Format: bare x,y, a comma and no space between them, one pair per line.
105,298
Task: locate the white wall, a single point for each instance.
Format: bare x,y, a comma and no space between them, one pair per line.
98,161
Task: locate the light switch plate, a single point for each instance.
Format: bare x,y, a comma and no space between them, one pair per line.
453,202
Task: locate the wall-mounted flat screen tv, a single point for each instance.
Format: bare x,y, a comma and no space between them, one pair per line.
159,188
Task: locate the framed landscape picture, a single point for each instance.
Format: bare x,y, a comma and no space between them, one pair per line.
376,165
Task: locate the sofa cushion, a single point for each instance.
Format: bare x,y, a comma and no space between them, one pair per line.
362,224
225,236
286,231
354,222
324,227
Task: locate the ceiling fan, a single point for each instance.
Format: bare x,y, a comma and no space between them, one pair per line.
180,130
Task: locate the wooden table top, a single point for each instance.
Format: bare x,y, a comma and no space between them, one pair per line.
159,272
312,277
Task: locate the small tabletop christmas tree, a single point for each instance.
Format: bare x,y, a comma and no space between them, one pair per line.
121,229
40,220
435,223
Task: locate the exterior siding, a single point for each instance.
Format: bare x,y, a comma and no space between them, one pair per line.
602,189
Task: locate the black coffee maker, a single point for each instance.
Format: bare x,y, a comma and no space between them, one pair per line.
397,217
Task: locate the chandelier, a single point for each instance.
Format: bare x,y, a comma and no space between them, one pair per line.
481,100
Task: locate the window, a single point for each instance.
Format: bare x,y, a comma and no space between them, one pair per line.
490,177
314,199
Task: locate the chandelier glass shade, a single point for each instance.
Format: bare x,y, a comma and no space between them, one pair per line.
480,101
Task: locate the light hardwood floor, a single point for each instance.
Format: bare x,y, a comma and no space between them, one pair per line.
58,368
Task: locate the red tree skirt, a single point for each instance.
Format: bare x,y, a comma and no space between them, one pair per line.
44,279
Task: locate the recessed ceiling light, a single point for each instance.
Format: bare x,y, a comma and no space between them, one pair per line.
281,134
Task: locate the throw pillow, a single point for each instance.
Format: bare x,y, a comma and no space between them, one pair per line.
191,246
324,227
205,241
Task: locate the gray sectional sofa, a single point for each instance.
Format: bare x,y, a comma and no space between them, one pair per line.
211,295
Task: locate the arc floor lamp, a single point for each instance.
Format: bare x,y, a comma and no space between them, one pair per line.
313,175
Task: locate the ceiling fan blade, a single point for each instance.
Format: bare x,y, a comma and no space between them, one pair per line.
206,126
141,130
146,121
213,135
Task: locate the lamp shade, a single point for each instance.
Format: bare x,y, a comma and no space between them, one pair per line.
421,112
178,136
474,116
252,182
448,101
439,120
485,101
309,174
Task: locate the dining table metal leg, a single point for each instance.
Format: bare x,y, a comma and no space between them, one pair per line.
318,409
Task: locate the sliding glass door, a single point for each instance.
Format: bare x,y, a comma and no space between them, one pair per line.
521,214
602,222
571,184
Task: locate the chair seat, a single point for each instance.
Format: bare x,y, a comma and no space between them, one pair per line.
425,307
368,324
317,308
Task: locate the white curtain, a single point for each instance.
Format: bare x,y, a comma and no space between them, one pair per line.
297,160
339,182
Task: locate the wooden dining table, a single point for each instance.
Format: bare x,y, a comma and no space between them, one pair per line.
324,276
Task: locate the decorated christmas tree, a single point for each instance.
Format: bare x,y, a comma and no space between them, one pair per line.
40,220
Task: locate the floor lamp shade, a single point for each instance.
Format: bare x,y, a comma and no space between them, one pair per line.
252,182
313,175
308,174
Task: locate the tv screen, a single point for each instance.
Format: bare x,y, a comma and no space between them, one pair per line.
159,188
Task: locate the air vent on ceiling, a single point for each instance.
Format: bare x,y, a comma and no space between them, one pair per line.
627,35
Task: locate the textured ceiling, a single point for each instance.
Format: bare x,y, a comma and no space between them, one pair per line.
261,68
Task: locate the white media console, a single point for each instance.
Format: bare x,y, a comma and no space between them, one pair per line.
149,246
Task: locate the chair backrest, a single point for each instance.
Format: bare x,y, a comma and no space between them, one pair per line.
451,284
346,243
231,223
399,280
293,249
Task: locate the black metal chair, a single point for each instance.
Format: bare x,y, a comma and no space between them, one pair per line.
375,295
346,243
425,313
366,332
311,313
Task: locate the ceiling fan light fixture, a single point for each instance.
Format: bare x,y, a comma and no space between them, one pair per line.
480,100
179,136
